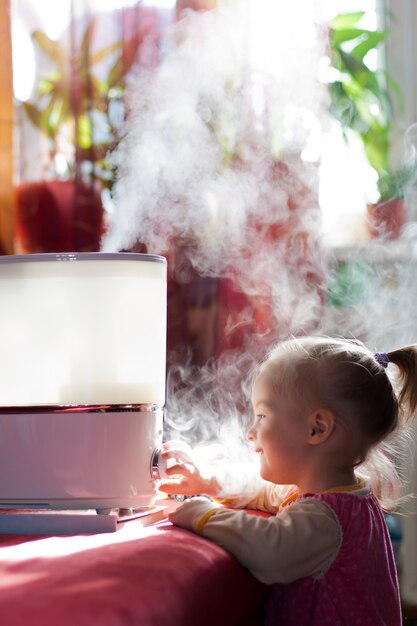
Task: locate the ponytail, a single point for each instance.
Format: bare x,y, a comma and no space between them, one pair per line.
406,361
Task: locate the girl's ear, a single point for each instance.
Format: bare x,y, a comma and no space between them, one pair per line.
321,424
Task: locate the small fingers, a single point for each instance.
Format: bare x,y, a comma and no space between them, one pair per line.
173,451
173,488
184,469
177,457
176,444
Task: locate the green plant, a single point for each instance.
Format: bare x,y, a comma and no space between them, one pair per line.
394,183
89,107
360,98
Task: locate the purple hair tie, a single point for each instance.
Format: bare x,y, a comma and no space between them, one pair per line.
382,358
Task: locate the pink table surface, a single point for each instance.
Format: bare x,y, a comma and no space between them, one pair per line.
155,576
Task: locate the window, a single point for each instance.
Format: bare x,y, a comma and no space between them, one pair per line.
347,182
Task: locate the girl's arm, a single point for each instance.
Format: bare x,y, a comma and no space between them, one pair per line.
303,540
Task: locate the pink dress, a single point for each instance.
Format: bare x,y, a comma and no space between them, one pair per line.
360,588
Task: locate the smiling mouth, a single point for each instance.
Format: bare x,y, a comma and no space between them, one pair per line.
259,451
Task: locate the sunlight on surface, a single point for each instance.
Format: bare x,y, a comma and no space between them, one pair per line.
53,547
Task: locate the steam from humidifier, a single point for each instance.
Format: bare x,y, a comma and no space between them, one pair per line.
178,183
173,166
238,89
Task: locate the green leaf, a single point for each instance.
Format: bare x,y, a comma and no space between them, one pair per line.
346,20
349,283
376,148
50,47
351,105
103,53
130,52
55,116
342,105
45,86
85,132
395,184
52,116
371,42
92,93
116,73
348,34
87,40
33,113
356,69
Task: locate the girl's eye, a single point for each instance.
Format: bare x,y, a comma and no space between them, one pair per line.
260,416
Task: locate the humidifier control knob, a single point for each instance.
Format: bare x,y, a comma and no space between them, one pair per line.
158,465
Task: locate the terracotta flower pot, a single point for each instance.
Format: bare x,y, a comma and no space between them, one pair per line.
53,217
386,219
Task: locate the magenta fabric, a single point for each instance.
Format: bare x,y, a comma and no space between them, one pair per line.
360,588
155,576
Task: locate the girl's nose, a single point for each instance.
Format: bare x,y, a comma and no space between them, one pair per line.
251,434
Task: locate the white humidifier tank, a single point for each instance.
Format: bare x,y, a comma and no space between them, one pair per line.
82,379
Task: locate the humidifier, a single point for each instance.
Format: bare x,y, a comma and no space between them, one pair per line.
82,379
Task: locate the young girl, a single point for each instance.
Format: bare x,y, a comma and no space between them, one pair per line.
321,408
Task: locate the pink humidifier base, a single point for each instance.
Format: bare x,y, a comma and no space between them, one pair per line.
79,458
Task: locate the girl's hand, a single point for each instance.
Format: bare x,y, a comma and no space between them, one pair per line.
193,472
193,513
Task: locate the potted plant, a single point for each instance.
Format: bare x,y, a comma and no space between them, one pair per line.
77,99
386,217
360,99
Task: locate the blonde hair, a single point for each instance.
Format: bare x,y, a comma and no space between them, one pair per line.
347,378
